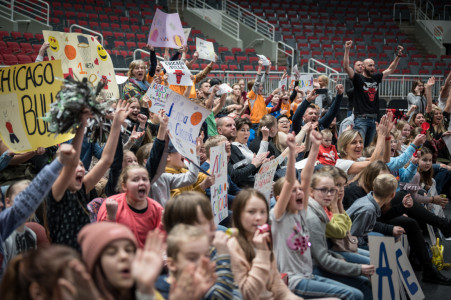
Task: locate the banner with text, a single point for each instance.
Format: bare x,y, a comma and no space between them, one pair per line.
26,92
166,31
306,82
82,56
178,73
218,168
264,177
185,120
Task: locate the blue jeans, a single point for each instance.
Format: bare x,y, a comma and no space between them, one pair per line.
366,127
320,287
361,283
361,257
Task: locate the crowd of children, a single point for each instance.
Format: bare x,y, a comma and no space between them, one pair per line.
137,222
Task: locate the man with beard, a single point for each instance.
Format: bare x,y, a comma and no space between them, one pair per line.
309,112
349,87
366,96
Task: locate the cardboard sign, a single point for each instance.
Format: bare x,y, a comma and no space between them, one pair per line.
306,82
166,31
407,275
218,168
178,73
282,84
206,49
264,177
26,92
385,281
185,120
264,60
82,56
156,96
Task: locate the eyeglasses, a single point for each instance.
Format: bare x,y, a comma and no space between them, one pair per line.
327,191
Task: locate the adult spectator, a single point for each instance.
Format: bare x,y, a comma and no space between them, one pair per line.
366,96
416,97
349,87
226,127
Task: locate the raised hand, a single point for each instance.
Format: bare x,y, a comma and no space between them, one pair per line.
265,133
290,141
122,111
220,242
312,95
148,262
208,182
348,45
76,283
340,89
407,201
136,135
163,118
258,159
111,209
316,137
419,140
430,83
204,277
399,50
66,155
142,119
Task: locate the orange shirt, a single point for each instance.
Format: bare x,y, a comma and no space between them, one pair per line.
287,107
257,106
180,89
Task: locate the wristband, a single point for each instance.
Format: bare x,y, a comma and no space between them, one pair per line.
387,138
416,147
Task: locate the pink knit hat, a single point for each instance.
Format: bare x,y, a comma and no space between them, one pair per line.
93,238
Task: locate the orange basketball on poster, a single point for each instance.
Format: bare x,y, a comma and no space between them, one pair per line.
196,118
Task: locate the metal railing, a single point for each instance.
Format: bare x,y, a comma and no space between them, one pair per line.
38,10
436,33
223,21
313,64
247,17
403,4
88,30
290,55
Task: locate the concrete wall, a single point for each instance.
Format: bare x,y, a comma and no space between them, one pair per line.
266,47
25,24
427,39
210,30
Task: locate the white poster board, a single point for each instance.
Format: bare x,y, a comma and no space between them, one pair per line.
205,49
178,73
264,178
306,82
407,275
264,60
385,281
156,97
185,120
218,168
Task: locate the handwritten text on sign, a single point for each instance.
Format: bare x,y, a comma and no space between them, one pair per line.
185,119
26,92
156,96
178,73
218,168
264,177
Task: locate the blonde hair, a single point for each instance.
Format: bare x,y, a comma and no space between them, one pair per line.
345,139
384,185
125,175
180,234
325,78
326,133
213,141
143,153
441,126
133,65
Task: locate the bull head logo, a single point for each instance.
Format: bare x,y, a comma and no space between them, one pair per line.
178,75
371,91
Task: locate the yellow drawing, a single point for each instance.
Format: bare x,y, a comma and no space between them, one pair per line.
54,45
102,52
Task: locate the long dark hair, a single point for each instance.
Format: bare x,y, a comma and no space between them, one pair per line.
239,205
425,176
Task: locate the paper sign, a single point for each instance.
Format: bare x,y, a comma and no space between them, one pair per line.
264,177
296,70
156,96
185,120
186,32
283,84
306,82
385,281
218,168
121,79
206,49
264,60
407,275
26,92
82,56
178,73
166,31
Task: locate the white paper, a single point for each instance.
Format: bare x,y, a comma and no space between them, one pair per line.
264,178
185,120
121,79
283,84
178,73
296,70
306,82
264,60
156,96
407,275
218,191
205,49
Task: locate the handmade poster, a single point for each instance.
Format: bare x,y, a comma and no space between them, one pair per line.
156,97
178,73
283,84
166,31
264,60
385,281
223,89
306,82
26,92
205,49
185,120
82,56
218,168
407,275
186,32
264,177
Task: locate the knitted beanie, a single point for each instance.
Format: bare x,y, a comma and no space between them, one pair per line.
93,238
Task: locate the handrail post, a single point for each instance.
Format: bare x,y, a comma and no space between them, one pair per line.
12,10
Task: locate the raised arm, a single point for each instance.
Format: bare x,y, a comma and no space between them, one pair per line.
93,176
65,177
307,172
211,98
202,74
218,107
346,65
290,179
428,92
258,79
445,91
392,67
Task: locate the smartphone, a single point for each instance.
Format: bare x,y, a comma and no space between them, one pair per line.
321,91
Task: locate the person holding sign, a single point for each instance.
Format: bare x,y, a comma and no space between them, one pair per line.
137,84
